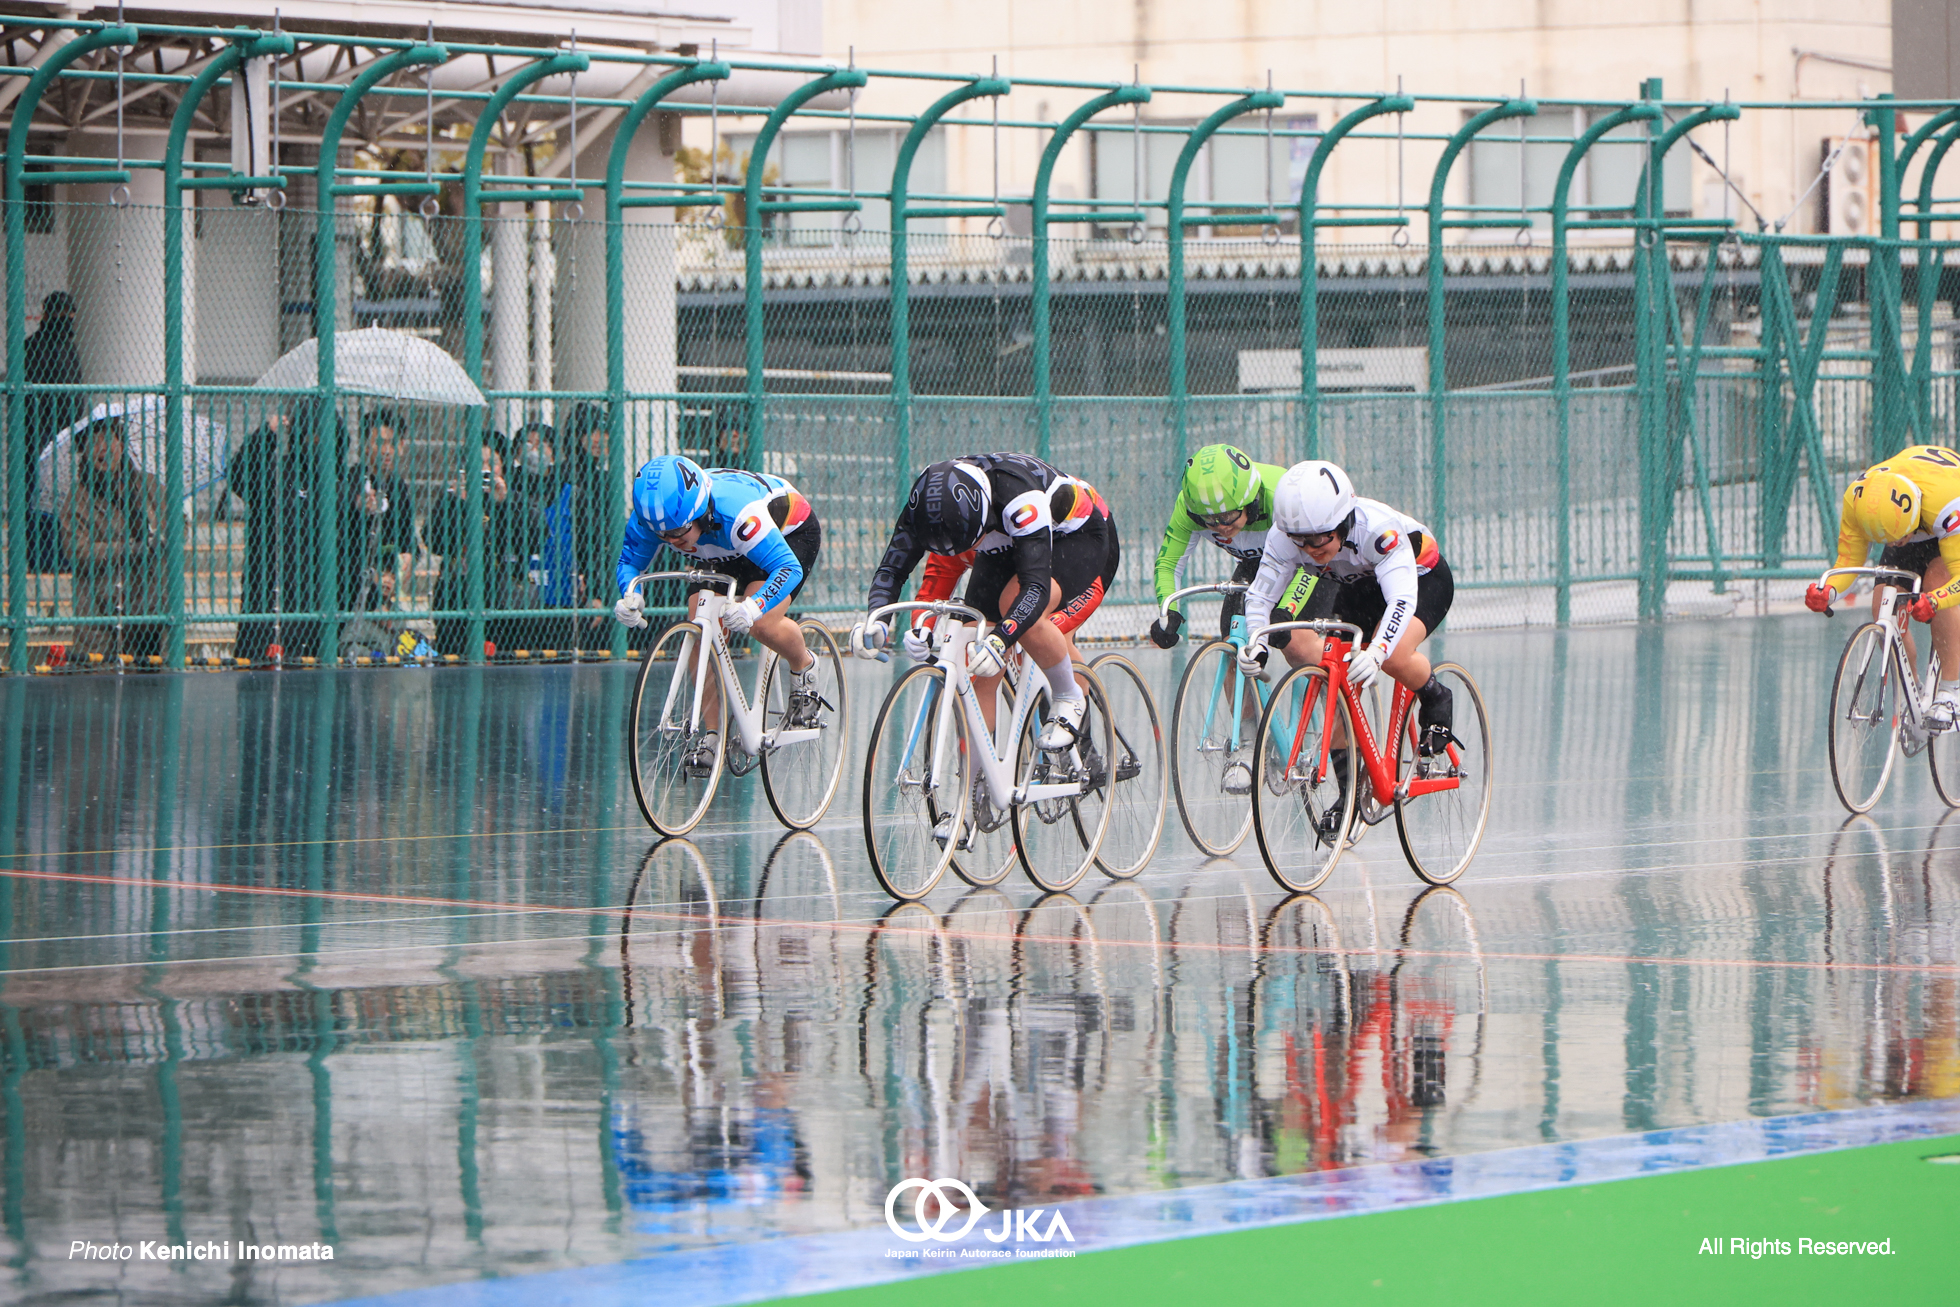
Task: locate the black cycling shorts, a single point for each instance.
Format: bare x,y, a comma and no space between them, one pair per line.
804,542
1081,566
1360,601
1915,557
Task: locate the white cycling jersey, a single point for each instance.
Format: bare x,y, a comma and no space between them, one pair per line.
1381,545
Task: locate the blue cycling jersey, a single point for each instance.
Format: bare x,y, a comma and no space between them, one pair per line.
750,513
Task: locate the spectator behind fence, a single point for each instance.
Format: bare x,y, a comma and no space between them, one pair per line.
541,500
111,528
588,446
447,531
274,474
51,360
377,518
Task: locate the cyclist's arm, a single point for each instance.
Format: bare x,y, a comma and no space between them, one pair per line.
1033,557
756,537
1396,575
1170,554
1949,594
901,556
1853,548
1276,567
638,550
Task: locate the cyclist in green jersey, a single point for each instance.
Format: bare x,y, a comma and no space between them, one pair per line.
1227,498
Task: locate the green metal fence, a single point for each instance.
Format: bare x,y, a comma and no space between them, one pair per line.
1611,406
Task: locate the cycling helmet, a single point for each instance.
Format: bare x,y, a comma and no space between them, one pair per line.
947,510
1313,497
1219,479
1883,505
671,492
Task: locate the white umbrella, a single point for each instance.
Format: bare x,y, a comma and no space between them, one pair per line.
205,453
375,361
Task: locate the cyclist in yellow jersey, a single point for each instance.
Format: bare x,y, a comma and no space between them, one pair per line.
1910,503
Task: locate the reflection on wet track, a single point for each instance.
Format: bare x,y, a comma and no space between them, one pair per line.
386,960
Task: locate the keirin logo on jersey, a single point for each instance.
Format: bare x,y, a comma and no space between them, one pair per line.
953,1220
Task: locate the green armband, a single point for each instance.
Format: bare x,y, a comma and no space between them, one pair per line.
1298,591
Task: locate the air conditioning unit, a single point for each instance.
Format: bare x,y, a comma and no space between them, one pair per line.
1849,202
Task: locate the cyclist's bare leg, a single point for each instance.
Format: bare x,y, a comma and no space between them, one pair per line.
1046,643
1946,624
773,629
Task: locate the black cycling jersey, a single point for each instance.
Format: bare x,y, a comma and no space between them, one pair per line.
1029,504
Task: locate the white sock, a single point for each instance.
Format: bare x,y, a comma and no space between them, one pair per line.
1061,681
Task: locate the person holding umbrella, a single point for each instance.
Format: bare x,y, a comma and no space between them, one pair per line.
111,529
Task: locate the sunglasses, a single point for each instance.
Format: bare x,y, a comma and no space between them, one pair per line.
1219,519
1314,541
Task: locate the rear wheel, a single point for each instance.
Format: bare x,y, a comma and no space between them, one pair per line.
1441,830
1301,806
801,779
675,770
1138,782
1863,725
1058,838
913,782
1214,721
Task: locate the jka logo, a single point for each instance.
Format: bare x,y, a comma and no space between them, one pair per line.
946,1211
1385,542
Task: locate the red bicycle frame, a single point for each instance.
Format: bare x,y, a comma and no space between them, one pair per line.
1333,660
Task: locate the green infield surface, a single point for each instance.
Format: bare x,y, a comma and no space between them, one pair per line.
1645,1241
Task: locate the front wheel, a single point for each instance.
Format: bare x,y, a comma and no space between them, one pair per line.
1442,828
675,766
1864,713
1302,784
1943,752
914,784
801,778
1214,720
1137,783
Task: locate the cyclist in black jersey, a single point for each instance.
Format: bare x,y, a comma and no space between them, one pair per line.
1044,541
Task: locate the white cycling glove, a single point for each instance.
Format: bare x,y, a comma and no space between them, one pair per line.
918,643
738,618
986,657
1363,663
869,637
1252,659
631,610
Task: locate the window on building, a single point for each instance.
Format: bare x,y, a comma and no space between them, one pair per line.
822,161
1502,168
1241,170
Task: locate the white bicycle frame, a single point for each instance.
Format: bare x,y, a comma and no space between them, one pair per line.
1918,703
950,638
746,717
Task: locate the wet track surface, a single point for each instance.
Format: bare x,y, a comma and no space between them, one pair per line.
388,960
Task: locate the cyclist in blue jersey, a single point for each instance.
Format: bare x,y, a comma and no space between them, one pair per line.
748,525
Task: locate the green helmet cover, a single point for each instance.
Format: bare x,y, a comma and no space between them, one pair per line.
1219,479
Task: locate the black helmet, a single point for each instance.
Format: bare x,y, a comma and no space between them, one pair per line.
947,510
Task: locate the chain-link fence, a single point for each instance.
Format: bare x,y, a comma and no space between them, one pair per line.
1658,426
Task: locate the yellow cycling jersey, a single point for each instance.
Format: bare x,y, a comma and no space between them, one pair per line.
1935,469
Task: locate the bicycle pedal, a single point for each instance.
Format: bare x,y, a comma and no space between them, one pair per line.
1237,780
1129,769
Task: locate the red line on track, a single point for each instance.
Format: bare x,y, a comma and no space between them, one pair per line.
723,921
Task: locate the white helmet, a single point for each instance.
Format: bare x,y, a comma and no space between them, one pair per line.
1313,497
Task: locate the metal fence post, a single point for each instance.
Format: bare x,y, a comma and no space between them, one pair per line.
1439,476
616,202
844,79
1044,175
1562,335
16,219
326,468
1927,259
1884,289
246,46
474,198
1310,260
1180,381
901,281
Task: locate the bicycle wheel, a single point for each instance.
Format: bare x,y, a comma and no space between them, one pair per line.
1213,723
1291,799
1058,838
1441,830
801,779
673,794
907,791
1139,787
1864,710
984,854
1943,753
